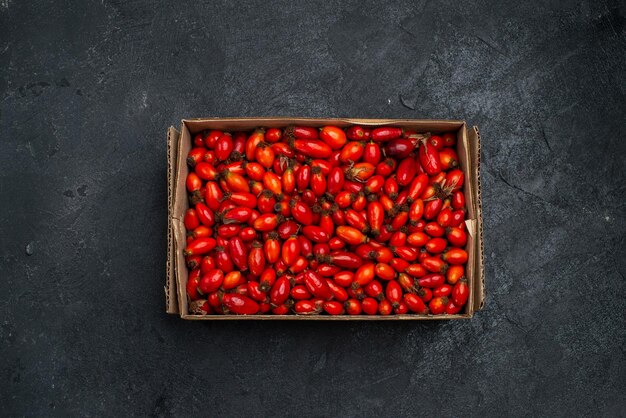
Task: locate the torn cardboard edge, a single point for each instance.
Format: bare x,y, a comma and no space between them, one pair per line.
180,142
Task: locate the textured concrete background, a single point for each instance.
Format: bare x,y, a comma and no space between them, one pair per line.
87,91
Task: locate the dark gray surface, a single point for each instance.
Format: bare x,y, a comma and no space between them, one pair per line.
87,91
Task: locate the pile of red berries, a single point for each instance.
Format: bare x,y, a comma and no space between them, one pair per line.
325,221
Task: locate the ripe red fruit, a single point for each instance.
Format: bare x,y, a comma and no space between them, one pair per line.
333,136
239,304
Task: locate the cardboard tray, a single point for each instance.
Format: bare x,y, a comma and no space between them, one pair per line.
179,143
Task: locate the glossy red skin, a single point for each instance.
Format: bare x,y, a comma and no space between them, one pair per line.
315,234
193,261
455,256
406,171
236,182
345,259
300,264
390,187
336,180
326,270
352,152
254,139
398,239
452,308
191,220
238,215
385,133
211,139
448,158
386,167
458,200
267,279
399,264
437,142
303,177
200,246
238,253
375,290
312,148
432,208
223,260
437,305
383,255
433,229
443,290
458,216
211,281
248,234
256,259
300,292
281,310
229,231
372,153
333,307
416,270
434,264
266,222
201,232
460,293
223,147
271,248
205,171
321,249
369,306
280,291
333,136
318,182
287,229
429,159
415,304
192,284
399,148
317,285
455,179
457,237
454,274
306,246
301,212
393,292
364,274
431,281
385,308
344,278
417,239
193,182
355,133
353,307
406,282
273,135
239,304
360,202
399,220
384,271
304,132
436,245
195,156
401,309
425,294
255,291
339,293
355,220
375,217
444,218
407,253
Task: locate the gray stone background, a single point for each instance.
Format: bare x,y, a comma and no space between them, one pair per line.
87,91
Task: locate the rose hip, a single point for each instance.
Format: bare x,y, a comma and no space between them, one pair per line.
328,221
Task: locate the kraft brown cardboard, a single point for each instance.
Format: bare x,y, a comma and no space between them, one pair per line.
179,144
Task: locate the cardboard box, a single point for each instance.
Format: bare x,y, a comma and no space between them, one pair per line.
180,142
